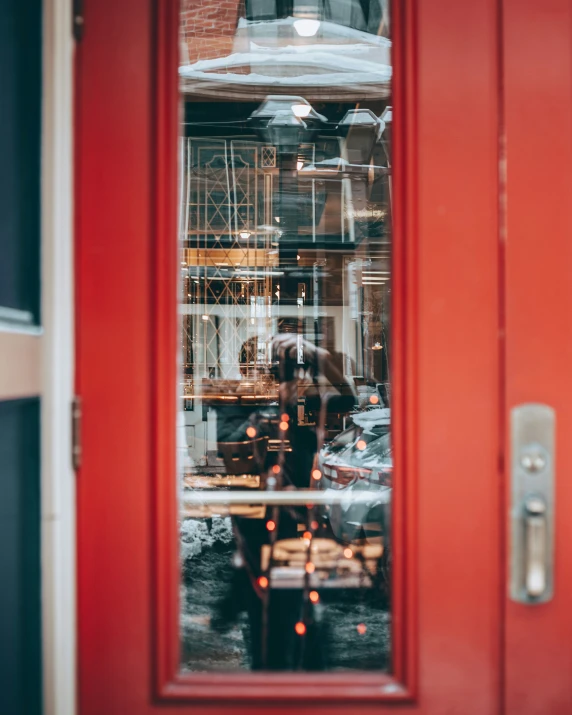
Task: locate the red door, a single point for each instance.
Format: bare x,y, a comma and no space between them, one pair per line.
297,266
537,305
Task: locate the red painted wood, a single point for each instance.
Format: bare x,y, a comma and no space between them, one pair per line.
538,118
458,373
114,231
166,564
446,379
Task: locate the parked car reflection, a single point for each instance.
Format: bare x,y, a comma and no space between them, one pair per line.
359,458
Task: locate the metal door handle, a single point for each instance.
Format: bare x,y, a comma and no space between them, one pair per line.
535,546
531,514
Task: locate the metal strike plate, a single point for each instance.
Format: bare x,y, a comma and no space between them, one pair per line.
532,503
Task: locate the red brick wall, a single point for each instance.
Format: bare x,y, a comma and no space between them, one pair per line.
208,27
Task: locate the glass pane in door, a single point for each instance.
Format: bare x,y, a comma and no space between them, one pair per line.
284,425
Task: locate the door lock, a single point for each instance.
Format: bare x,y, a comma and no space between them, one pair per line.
532,507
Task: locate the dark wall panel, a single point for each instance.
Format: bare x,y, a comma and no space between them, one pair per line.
20,135
20,591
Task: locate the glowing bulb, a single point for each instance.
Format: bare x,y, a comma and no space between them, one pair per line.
374,399
300,628
348,553
314,596
361,628
316,474
263,582
284,417
307,535
314,525
276,469
251,432
361,444
306,28
310,567
283,426
270,525
301,110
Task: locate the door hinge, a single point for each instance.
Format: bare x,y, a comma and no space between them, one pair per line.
76,415
78,20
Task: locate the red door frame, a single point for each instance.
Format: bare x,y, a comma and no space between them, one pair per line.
448,654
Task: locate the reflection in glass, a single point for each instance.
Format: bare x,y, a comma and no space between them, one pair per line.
284,426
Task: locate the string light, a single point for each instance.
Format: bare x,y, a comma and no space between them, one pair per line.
314,525
285,417
251,432
348,553
276,469
374,399
310,567
361,444
314,596
300,628
361,628
263,582
270,525
316,474
283,426
307,535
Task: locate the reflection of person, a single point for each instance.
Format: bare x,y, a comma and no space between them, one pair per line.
323,367
302,370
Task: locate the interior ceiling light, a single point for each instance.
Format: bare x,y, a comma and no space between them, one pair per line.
306,28
244,234
299,165
302,110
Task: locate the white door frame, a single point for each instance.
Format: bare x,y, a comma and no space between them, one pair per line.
57,364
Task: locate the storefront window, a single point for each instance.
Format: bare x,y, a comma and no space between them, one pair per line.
284,428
